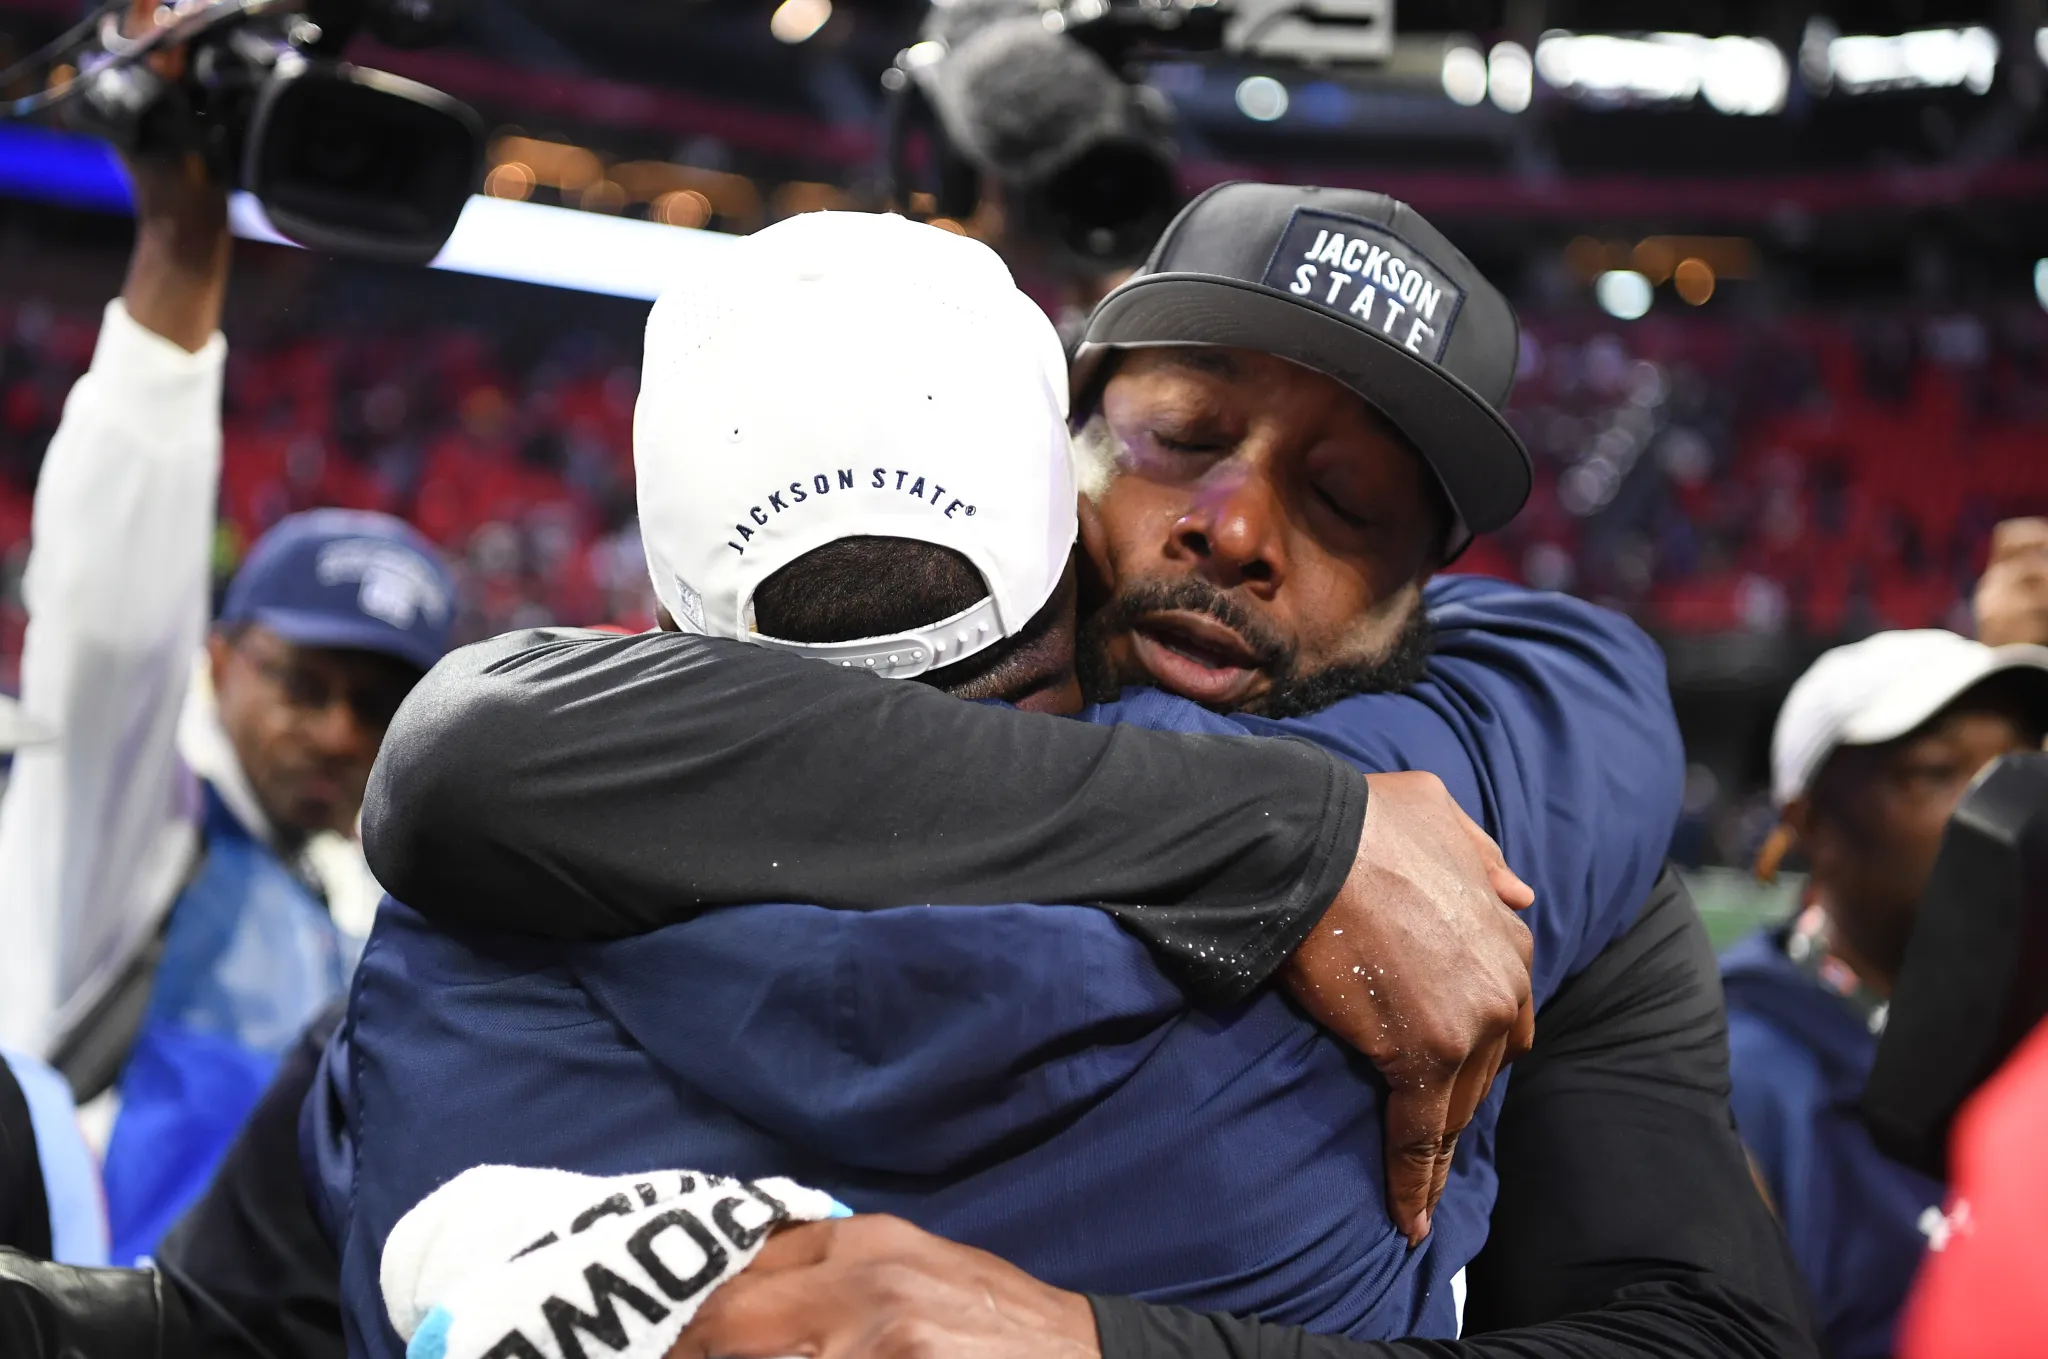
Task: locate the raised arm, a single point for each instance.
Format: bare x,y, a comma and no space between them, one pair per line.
94,832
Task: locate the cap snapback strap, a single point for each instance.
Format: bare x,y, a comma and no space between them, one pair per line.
905,655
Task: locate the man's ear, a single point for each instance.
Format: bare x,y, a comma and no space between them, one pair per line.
1790,833
1798,817
220,650
665,620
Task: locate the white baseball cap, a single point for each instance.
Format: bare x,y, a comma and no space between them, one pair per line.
1878,690
844,375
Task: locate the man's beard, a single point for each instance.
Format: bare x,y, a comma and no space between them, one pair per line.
1293,692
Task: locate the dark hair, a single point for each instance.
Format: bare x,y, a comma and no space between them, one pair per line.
870,587
865,587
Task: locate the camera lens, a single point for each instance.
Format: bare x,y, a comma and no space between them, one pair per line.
362,162
1109,204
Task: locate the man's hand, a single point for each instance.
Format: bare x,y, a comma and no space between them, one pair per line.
178,275
1420,964
2012,598
879,1288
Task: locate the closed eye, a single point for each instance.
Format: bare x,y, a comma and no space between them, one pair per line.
1356,521
1194,446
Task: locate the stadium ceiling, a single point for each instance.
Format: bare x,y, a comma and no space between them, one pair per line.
723,47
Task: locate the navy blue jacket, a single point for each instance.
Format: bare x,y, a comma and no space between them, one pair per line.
1022,1078
1799,1058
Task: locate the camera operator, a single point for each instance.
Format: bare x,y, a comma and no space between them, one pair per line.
166,921
1874,748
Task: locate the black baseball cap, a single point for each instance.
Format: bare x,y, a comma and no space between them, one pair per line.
1359,287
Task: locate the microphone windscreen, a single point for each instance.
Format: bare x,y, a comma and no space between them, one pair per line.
1024,101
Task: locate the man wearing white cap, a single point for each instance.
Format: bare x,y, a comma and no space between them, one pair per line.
1875,746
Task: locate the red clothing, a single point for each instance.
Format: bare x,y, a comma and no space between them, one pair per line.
1986,1292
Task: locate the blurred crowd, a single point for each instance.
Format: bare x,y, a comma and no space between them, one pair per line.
1821,478
520,467
1826,476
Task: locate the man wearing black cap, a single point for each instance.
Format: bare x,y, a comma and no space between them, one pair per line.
1268,532
1273,478
1355,286
167,868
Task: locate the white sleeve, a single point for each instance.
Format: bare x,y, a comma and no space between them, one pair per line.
98,825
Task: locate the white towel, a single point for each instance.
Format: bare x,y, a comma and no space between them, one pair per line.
514,1262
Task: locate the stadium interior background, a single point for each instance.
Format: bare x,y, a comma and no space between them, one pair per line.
1785,358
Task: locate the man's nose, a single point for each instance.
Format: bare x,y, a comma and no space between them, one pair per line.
1232,528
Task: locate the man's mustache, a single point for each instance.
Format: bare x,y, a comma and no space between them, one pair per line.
1137,599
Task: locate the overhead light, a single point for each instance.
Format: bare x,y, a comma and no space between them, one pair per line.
2041,283
1694,280
1929,58
1261,98
1622,293
603,196
1511,76
681,207
510,179
1599,65
1816,68
796,21
572,169
1736,75
1464,75
1744,76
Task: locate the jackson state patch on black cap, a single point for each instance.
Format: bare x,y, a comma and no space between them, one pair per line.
1372,278
1357,286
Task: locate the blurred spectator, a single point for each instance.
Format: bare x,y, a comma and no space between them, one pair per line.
1875,746
178,880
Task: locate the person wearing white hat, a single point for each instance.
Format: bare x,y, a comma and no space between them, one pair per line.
1876,744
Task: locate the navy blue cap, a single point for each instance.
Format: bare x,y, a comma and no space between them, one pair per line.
349,579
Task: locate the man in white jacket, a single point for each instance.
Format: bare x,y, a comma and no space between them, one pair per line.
167,925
